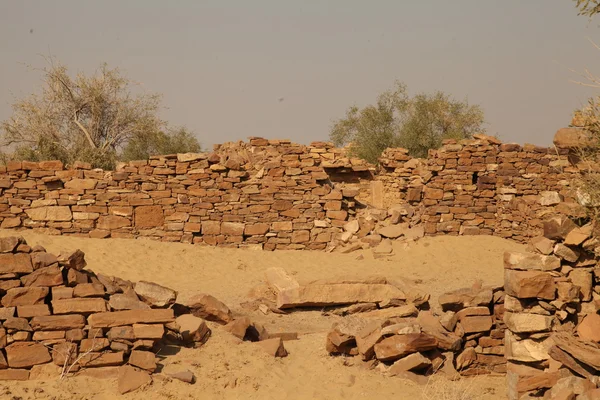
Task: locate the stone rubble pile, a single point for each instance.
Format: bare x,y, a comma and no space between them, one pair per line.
465,338
551,313
376,229
57,316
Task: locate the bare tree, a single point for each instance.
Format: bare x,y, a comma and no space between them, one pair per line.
87,118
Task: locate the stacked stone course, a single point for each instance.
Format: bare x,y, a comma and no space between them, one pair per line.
551,313
56,317
275,194
269,193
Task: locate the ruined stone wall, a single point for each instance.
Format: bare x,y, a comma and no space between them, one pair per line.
271,193
483,186
279,195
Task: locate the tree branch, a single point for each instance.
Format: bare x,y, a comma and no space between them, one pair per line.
87,134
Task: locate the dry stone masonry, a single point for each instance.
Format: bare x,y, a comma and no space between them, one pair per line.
551,314
275,194
401,337
59,319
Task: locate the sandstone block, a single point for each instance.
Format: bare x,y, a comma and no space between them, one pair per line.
339,342
9,244
131,379
186,376
120,332
81,184
526,350
192,329
149,217
148,331
476,323
367,338
26,354
566,253
154,294
529,284
393,231
50,213
24,296
232,228
62,292
101,359
274,347
523,323
432,326
558,227
57,322
45,277
412,362
89,290
110,222
314,295
468,297
582,278
578,235
48,335
15,263
41,259
396,347
589,328
14,374
211,227
120,318
78,305
74,260
126,301
37,310
549,198
209,308
570,138
97,344
530,261
143,359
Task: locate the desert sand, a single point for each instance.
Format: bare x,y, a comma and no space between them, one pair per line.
227,368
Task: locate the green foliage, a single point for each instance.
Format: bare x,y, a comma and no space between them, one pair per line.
172,142
87,118
588,8
419,123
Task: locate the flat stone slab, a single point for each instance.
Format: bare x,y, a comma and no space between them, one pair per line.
336,294
130,317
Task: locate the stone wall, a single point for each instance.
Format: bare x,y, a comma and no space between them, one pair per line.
483,186
551,313
270,193
276,194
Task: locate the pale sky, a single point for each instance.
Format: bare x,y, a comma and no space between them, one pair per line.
223,66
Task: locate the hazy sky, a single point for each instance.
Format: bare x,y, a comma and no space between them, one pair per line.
223,66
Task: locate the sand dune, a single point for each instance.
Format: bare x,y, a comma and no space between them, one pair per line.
229,369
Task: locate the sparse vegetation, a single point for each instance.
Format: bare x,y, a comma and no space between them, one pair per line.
418,123
95,118
588,118
588,7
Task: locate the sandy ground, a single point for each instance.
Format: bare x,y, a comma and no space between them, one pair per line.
227,368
